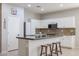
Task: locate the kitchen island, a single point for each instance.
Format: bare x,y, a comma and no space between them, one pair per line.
30,45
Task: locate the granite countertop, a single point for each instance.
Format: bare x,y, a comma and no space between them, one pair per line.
35,38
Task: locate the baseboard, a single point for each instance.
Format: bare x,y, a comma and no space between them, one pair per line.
12,50
77,47
4,52
66,47
70,47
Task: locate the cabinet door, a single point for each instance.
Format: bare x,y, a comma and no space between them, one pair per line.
66,42
67,22
13,30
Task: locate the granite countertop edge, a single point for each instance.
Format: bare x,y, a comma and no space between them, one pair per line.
26,38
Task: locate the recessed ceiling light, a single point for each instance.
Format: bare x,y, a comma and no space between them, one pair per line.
61,5
29,5
42,9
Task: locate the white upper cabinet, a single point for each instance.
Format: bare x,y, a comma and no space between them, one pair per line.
65,22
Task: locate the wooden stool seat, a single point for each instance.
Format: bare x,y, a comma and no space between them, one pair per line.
44,45
56,43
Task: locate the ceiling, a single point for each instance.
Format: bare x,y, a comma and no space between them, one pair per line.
48,7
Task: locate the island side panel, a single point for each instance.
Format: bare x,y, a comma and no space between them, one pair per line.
32,47
23,47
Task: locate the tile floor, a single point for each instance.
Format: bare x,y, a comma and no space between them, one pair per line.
66,52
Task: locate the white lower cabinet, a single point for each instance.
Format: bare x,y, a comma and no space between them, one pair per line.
68,41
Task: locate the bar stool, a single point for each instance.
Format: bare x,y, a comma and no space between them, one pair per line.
57,49
46,49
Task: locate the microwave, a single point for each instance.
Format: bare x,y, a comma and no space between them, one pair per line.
51,26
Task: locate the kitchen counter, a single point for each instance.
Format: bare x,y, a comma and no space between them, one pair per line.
30,45
36,38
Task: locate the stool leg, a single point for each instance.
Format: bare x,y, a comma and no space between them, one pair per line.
52,49
41,51
46,51
60,48
56,50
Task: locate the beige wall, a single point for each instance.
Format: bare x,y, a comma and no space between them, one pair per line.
28,14
66,13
